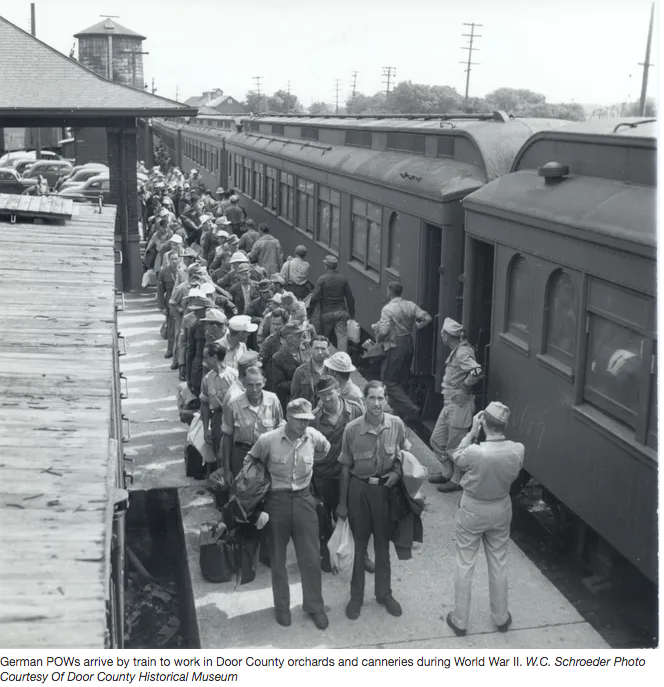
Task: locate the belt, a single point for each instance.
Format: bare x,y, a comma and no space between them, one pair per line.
373,481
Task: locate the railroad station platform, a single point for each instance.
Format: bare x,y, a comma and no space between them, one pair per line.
243,617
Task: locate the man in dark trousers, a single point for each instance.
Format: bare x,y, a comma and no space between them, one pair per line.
235,216
370,467
332,415
337,304
288,454
395,331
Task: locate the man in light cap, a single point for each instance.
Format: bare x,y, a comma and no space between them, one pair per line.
340,366
267,251
485,513
395,331
461,373
235,216
337,304
296,273
235,341
288,454
233,277
220,298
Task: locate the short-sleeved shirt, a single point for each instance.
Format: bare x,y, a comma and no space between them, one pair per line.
371,451
334,432
289,463
215,386
397,319
460,362
246,422
236,389
489,467
233,354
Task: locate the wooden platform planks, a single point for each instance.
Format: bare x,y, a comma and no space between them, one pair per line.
57,324
36,206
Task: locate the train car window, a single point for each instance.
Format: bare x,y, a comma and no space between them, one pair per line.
258,182
446,146
561,318
278,129
393,243
246,183
361,139
519,303
286,190
230,165
239,161
366,243
614,367
305,205
412,143
271,189
310,132
329,210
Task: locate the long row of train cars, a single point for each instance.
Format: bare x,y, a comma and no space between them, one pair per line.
539,234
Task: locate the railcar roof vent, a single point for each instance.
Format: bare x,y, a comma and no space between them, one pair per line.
553,172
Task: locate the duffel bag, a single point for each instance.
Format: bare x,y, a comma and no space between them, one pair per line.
217,553
194,466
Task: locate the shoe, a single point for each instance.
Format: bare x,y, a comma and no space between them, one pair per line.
457,630
320,620
391,605
174,365
438,479
449,487
168,354
183,374
506,625
284,618
369,565
353,609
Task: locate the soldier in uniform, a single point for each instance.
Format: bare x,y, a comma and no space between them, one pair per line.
245,417
485,513
370,467
289,454
461,372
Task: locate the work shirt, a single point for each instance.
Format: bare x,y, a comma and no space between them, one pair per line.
333,292
397,319
233,354
351,392
179,294
333,431
489,468
268,253
457,378
304,381
295,271
215,386
289,463
234,214
246,422
236,389
247,240
371,451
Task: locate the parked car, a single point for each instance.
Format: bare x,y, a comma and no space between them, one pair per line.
91,189
8,159
22,166
81,176
12,182
51,170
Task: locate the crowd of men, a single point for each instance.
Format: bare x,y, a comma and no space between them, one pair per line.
251,336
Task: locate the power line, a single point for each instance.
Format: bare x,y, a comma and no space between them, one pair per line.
337,96
352,96
388,73
257,79
469,62
646,64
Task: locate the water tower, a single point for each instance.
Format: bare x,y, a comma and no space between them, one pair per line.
112,51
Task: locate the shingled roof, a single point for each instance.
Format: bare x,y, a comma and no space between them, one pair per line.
37,80
108,26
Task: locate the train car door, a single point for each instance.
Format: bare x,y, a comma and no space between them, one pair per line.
478,307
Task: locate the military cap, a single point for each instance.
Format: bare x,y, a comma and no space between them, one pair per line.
300,409
498,412
331,261
452,327
301,250
326,384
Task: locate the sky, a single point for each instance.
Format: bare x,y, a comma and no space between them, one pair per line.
583,51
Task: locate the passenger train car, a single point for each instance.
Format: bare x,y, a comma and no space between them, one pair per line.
382,194
560,296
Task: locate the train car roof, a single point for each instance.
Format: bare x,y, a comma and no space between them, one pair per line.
606,211
635,127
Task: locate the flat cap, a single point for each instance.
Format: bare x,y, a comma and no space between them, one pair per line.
301,250
248,359
331,261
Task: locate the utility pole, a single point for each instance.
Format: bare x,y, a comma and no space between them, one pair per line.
646,65
177,93
33,31
388,73
257,79
154,90
288,97
336,88
352,95
472,36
